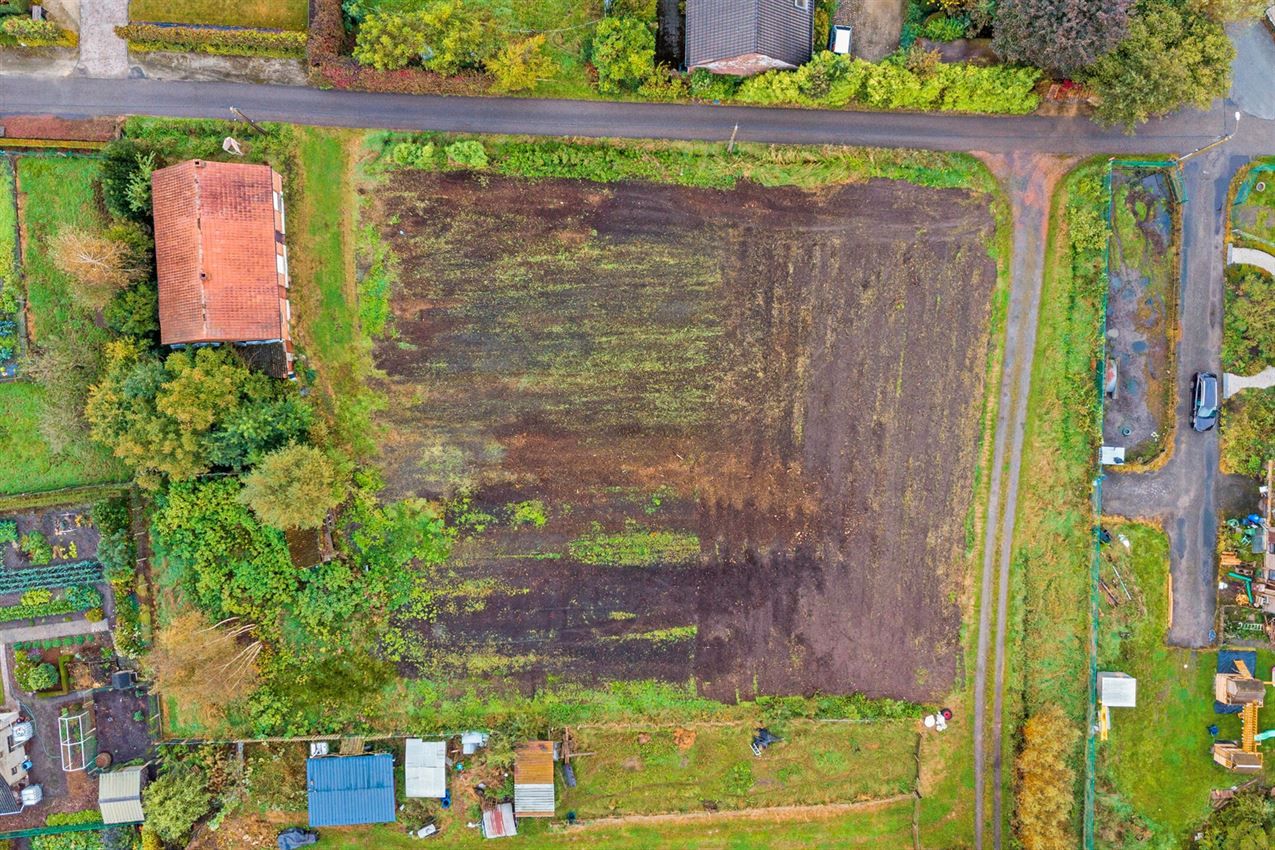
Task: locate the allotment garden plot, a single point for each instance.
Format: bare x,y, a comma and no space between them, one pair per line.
727,435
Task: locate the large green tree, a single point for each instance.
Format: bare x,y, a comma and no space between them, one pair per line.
1170,58
294,487
446,36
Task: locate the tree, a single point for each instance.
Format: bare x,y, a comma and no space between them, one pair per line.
521,65
1045,781
191,653
445,36
65,367
1059,35
1170,58
228,562
254,429
98,265
157,417
175,802
1244,824
294,487
623,53
1248,330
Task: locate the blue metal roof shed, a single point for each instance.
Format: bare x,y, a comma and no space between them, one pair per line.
348,790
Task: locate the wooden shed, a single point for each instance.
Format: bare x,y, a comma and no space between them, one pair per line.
533,780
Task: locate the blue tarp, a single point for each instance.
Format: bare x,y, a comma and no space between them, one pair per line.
1226,664
347,790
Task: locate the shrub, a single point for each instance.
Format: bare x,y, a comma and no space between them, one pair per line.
706,85
943,28
36,547
1248,431
444,36
467,153
413,155
31,33
519,66
94,615
1045,779
1060,35
623,53
39,596
1248,331
134,311
39,677
8,531
175,802
222,42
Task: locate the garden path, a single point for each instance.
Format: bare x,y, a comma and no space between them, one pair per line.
1250,257
52,630
1231,384
102,52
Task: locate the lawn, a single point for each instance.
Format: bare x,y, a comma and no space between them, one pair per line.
880,827
1156,769
267,14
322,216
659,769
55,192
1253,220
27,464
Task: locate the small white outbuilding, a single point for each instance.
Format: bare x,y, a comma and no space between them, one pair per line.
1117,690
425,763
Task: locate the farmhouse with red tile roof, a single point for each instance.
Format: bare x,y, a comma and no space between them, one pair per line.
221,260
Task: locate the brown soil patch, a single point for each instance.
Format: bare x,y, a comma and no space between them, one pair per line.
792,379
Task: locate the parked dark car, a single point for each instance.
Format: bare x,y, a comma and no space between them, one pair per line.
1204,408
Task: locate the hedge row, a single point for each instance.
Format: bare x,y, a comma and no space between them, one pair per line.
222,42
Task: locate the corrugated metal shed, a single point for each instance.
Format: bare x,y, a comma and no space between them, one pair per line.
119,796
533,780
499,822
425,766
347,790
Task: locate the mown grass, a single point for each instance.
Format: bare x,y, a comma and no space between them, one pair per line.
1156,768
321,233
56,193
268,14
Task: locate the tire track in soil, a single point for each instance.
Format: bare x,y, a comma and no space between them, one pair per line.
1030,180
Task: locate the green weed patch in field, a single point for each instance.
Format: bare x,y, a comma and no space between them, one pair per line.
635,547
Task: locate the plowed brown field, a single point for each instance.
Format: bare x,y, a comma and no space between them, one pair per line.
721,435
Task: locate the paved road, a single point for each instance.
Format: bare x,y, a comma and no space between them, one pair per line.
1188,491
78,97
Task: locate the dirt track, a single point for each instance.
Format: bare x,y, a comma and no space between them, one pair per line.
793,379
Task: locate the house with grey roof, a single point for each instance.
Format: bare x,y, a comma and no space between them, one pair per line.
744,37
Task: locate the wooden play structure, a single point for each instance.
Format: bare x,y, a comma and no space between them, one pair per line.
1242,689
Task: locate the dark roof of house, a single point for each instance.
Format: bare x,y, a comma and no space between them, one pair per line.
9,804
723,29
218,231
348,790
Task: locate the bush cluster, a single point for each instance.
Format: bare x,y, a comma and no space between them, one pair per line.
32,33
36,547
908,81
222,42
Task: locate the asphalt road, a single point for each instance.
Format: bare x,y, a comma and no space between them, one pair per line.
82,96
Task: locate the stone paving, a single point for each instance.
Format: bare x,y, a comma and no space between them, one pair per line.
102,52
